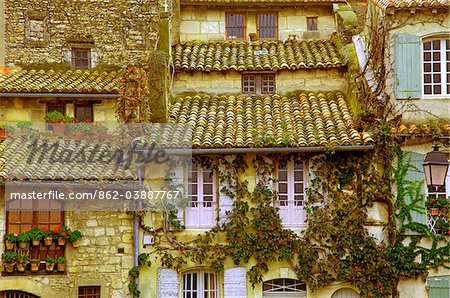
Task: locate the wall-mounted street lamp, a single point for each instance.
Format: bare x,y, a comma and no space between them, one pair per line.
436,164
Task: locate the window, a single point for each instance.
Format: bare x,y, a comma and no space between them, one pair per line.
439,286
311,23
200,284
201,211
291,193
436,67
84,112
258,83
16,294
267,25
89,292
81,58
345,293
284,285
236,26
21,215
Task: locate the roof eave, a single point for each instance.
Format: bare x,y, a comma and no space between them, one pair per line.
58,94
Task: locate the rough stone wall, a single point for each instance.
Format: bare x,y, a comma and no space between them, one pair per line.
95,262
117,31
230,82
209,24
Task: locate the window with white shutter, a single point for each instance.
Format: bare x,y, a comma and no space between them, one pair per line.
200,284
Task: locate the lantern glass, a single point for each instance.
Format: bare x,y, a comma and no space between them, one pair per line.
436,173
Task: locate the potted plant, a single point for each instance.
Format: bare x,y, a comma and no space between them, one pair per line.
57,120
36,235
34,265
436,205
292,37
48,236
22,262
100,130
10,239
442,227
24,126
61,264
80,129
24,239
9,260
62,235
74,237
253,36
49,264
6,130
2,131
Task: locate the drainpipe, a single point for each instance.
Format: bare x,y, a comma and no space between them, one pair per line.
136,228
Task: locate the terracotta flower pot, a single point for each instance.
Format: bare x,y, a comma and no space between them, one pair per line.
9,245
49,266
23,244
58,129
34,266
2,133
9,267
21,267
61,241
35,242
62,266
48,241
434,211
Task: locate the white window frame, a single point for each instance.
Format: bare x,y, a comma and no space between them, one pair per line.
285,289
200,285
444,69
292,215
201,214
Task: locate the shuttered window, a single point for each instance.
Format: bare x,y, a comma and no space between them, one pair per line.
81,58
311,23
236,26
22,214
407,66
436,67
198,284
267,25
439,286
84,112
258,83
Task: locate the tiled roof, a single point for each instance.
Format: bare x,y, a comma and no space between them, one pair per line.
421,129
50,81
14,163
309,119
407,4
256,55
255,1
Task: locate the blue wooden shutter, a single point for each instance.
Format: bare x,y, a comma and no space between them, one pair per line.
439,286
407,66
415,175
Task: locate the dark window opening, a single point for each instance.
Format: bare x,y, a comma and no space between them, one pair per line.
258,83
81,58
84,112
267,25
311,23
89,292
236,25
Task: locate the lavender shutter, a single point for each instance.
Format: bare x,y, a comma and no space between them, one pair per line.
235,283
168,283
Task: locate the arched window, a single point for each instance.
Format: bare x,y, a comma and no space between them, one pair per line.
16,294
284,287
200,284
345,293
436,67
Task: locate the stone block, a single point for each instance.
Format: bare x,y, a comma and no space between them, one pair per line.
99,232
127,262
199,15
110,231
127,238
102,241
107,268
91,223
214,15
190,27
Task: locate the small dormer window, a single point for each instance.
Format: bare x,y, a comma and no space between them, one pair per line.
258,83
81,58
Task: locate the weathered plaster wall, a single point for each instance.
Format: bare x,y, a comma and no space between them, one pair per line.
198,23
230,82
2,33
424,24
33,109
120,31
95,262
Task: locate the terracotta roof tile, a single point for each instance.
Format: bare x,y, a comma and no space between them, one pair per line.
257,55
407,4
50,81
309,119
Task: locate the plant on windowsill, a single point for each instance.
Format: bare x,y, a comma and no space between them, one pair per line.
34,265
24,240
100,130
442,227
10,239
22,262
36,235
437,205
58,120
81,129
9,259
48,236
61,264
24,126
292,37
62,234
6,130
49,264
74,237
253,36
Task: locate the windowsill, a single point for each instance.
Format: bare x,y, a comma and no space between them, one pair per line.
425,97
37,273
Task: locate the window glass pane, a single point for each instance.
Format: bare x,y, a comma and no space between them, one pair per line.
427,45
311,23
282,176
436,56
267,25
437,89
298,187
235,26
427,67
207,189
436,44
298,176
248,84
436,67
427,89
207,176
436,78
427,56
282,187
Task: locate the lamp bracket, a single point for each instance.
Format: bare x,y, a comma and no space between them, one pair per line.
444,140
